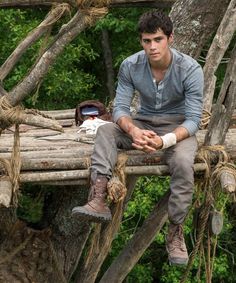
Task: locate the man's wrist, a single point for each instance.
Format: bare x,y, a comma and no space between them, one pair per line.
130,129
168,140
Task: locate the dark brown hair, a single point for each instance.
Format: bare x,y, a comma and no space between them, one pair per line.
151,21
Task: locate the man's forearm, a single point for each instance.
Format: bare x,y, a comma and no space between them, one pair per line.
181,133
126,124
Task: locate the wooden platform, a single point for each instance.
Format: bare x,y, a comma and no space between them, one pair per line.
50,157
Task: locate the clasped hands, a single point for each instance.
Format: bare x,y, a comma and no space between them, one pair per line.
145,140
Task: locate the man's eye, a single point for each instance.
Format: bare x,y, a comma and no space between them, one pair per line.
157,39
146,40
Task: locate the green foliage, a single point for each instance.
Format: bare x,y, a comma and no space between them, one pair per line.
68,82
30,207
120,23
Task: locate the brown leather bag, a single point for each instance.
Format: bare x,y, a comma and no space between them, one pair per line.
102,111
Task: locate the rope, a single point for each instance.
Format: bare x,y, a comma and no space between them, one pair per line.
117,185
9,116
84,4
93,9
205,154
206,116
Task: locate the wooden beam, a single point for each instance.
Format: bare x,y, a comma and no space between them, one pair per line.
73,3
140,3
40,177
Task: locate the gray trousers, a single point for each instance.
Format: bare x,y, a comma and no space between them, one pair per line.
179,158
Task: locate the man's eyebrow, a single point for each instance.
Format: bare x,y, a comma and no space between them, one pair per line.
159,37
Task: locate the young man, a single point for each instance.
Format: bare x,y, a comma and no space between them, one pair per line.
171,91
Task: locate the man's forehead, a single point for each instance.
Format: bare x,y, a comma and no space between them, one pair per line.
158,33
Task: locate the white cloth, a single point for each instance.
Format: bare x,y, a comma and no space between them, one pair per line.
90,126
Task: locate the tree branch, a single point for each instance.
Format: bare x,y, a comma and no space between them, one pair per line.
217,50
78,23
34,35
107,54
224,108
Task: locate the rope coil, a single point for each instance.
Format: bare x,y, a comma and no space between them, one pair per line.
206,116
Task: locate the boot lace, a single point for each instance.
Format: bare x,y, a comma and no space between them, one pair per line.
177,239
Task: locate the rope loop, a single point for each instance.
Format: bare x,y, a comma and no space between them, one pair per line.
206,117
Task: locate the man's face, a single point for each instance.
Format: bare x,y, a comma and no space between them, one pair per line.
156,45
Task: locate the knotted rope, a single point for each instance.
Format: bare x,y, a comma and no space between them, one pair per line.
206,116
210,180
93,9
14,116
117,185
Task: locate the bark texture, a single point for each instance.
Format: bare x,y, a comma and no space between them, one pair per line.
195,22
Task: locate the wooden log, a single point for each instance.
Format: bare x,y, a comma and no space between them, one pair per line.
61,114
141,3
80,182
55,163
5,191
158,170
73,3
227,181
63,153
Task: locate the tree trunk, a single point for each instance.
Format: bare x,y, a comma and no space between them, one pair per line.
107,54
29,255
195,22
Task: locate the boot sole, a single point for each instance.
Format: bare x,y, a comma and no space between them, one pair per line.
178,261
91,216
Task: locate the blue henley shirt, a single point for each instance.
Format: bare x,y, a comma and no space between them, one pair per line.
179,93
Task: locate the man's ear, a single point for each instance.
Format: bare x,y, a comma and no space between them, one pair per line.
171,38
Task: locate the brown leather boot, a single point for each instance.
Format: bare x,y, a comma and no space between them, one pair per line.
96,210
175,245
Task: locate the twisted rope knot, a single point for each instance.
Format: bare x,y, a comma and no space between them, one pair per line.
117,185
206,116
83,4
93,9
9,116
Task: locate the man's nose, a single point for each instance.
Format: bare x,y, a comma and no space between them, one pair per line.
153,45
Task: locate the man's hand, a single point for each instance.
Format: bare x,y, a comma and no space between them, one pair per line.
150,143
145,140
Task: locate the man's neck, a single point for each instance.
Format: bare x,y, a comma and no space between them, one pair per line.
163,64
